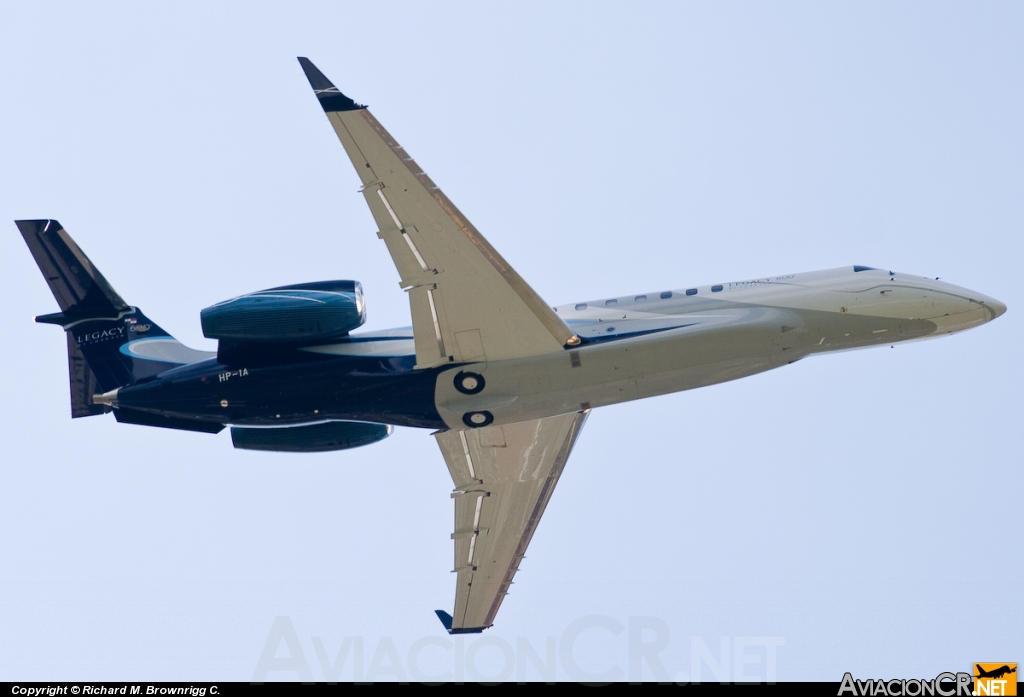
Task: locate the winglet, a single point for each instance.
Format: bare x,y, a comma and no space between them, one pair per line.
331,98
445,618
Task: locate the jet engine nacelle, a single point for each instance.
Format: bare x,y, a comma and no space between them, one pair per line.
314,438
303,313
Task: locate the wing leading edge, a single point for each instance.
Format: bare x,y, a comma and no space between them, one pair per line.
504,477
468,304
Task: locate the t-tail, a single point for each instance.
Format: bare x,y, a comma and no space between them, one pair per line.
110,343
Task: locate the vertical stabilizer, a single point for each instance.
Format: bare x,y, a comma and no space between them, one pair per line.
80,289
110,343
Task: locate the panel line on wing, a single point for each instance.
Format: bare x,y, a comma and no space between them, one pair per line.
437,325
469,458
416,252
476,529
401,229
394,216
335,120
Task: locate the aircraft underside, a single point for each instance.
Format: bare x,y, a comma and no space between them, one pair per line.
504,380
315,384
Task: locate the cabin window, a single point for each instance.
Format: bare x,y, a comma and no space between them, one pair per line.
581,306
666,295
716,289
640,299
858,269
611,303
691,291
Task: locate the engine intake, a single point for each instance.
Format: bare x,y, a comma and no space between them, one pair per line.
303,313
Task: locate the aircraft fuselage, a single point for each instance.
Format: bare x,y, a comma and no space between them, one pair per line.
632,347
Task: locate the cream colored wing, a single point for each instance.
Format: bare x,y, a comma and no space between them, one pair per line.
467,303
504,477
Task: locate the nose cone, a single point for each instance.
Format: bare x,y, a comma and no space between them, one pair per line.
995,307
954,309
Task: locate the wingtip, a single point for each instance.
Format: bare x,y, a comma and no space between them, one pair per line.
445,618
331,98
317,80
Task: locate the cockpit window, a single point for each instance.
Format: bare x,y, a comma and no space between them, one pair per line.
666,295
611,303
858,269
581,306
691,291
640,299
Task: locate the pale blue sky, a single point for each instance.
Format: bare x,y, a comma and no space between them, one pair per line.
860,505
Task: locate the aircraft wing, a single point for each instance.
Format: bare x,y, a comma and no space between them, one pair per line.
504,477
468,304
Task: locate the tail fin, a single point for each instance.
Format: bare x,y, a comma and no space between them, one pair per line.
110,343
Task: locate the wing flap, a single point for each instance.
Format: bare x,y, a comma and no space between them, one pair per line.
504,477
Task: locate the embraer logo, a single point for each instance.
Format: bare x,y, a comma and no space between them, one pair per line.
103,335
